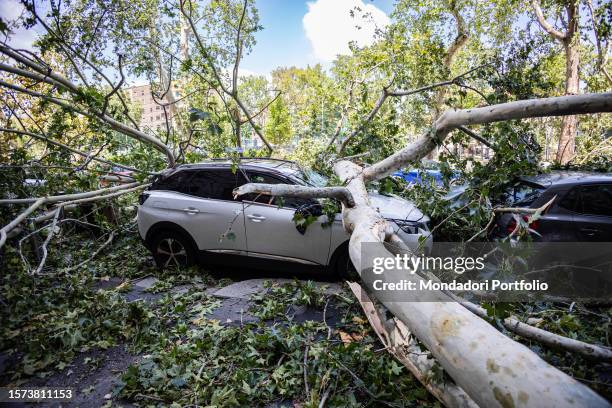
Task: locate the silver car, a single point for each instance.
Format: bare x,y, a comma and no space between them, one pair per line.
189,215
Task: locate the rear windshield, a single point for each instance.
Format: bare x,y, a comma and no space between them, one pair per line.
523,194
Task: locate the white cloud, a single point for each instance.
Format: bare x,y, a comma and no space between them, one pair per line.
11,10
329,26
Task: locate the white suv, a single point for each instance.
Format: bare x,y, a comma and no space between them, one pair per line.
189,214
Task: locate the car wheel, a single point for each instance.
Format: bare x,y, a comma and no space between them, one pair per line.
345,268
172,250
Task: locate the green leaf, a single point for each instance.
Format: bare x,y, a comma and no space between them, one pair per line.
178,382
197,114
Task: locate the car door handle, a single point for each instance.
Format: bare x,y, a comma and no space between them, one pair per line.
256,218
191,210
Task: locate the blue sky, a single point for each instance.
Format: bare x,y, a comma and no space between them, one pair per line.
284,40
295,32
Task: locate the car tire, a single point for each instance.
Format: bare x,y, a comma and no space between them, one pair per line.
172,249
344,267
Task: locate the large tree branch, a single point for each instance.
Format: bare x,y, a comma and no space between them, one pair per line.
19,219
460,39
554,33
545,337
285,190
70,149
475,136
398,340
465,345
92,113
385,93
239,46
68,197
63,200
449,120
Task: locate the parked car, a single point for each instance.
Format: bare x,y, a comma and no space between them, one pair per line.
189,214
430,172
581,211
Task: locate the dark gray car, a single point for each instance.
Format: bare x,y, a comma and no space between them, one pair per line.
581,211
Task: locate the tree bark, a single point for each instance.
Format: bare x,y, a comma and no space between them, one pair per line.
398,340
238,124
570,41
569,124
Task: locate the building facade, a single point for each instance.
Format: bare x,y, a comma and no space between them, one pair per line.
152,113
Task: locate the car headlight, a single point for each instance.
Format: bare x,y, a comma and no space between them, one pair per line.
410,227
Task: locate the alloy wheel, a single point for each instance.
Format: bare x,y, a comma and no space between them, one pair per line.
172,252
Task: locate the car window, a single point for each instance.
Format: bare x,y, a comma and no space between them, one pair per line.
214,183
571,200
175,182
596,199
291,202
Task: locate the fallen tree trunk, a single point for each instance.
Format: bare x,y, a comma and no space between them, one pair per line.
398,341
492,369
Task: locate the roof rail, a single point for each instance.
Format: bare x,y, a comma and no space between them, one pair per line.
253,158
220,159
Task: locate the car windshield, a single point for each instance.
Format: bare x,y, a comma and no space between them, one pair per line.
308,177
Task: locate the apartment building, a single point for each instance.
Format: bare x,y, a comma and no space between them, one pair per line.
152,113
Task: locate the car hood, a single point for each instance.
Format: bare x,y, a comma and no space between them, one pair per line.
395,207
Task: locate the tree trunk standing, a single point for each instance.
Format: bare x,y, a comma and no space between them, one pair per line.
184,39
460,40
237,124
570,41
569,124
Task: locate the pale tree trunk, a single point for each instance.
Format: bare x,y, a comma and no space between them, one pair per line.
184,39
460,40
567,139
570,41
491,368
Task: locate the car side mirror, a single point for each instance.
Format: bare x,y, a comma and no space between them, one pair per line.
306,210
